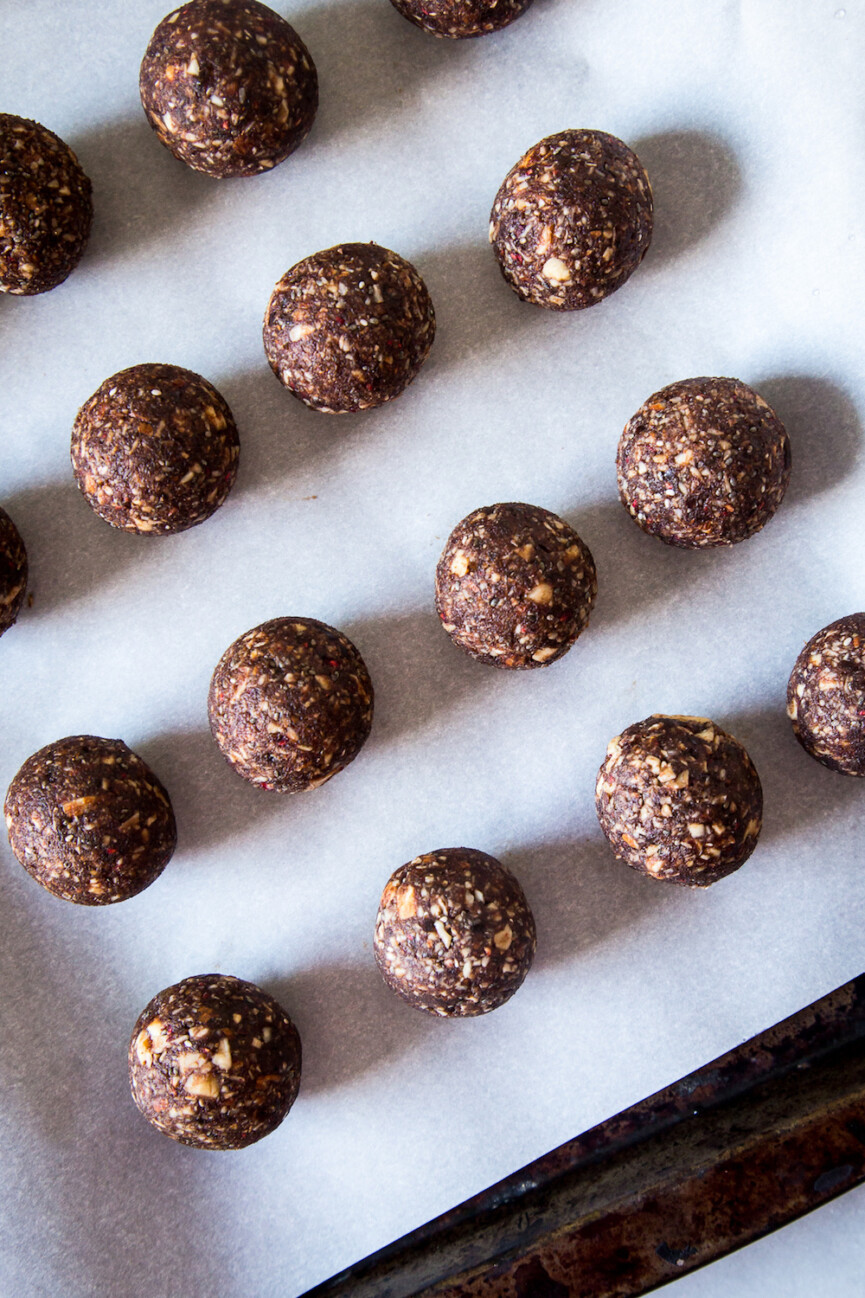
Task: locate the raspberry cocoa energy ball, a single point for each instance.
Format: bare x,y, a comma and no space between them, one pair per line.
155,449
826,695
572,220
45,207
679,800
515,586
290,704
214,1062
90,821
461,18
349,328
13,571
454,934
228,86
704,462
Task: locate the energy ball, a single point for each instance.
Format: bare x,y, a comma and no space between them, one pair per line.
572,220
290,704
826,695
704,462
348,328
679,800
90,821
454,934
228,86
214,1062
155,449
13,572
515,586
45,207
461,18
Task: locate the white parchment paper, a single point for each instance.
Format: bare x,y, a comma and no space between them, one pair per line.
748,117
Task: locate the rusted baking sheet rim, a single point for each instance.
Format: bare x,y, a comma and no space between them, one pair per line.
732,1151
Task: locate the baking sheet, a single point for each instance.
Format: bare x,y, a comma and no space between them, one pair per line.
748,117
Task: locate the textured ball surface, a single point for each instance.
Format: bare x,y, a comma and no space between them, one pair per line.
454,934
826,695
45,207
228,86
349,328
515,586
13,572
89,820
572,220
290,704
461,18
704,462
214,1062
679,799
155,449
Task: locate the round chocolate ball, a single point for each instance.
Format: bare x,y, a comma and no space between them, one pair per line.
515,586
155,449
704,462
89,820
290,704
214,1062
679,799
13,572
461,18
572,220
454,934
826,695
348,328
228,86
45,207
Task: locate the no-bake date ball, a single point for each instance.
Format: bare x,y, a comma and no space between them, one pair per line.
572,220
826,695
349,328
228,86
679,799
704,462
461,18
454,934
214,1062
89,820
45,207
515,585
13,571
155,449
290,704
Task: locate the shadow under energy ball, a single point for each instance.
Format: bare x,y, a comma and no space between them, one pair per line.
90,821
704,462
228,86
155,449
459,19
680,800
45,208
349,328
454,934
826,696
214,1062
290,704
572,220
515,586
